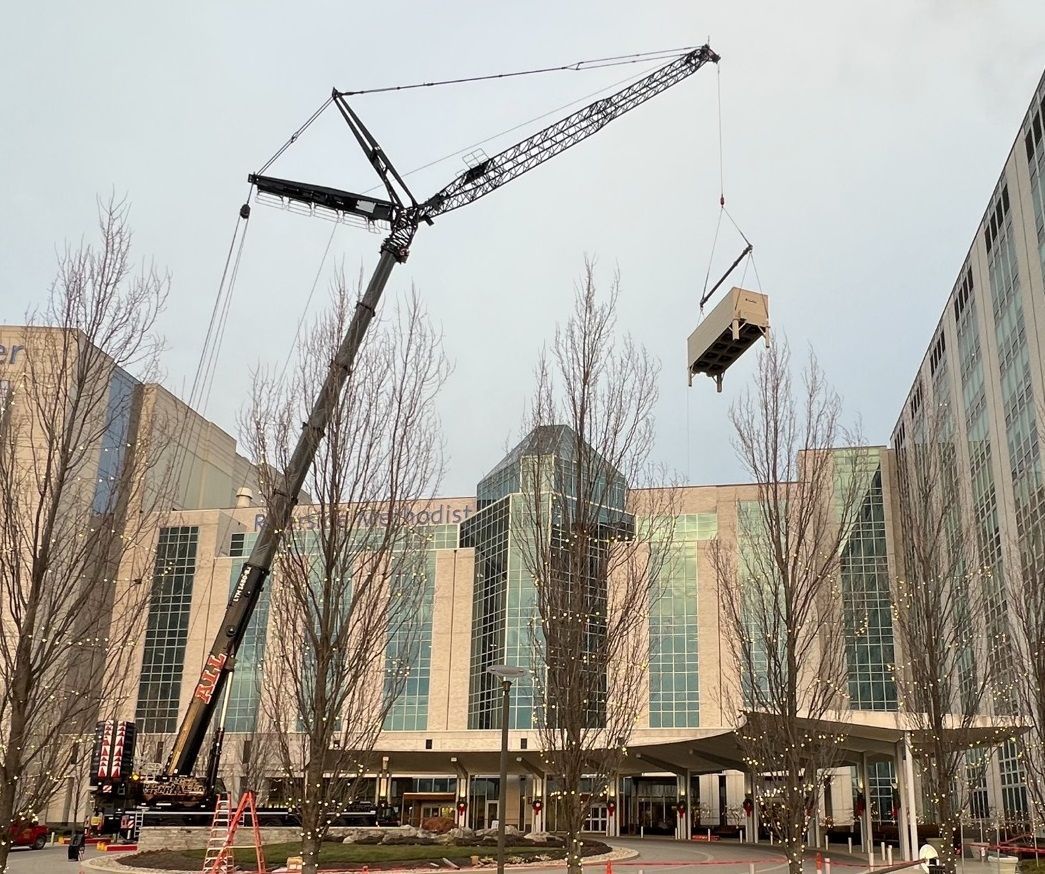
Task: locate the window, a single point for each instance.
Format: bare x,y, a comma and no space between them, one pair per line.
674,680
159,688
938,349
866,601
114,440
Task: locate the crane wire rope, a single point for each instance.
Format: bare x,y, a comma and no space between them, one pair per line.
308,302
748,251
294,136
576,66
223,323
629,78
203,368
207,368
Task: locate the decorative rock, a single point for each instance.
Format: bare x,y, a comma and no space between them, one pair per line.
366,838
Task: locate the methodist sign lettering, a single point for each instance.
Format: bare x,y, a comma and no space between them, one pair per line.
10,355
442,514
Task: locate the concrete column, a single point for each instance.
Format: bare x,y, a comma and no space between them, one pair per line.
538,792
910,802
463,792
749,821
682,828
613,822
901,814
866,835
756,815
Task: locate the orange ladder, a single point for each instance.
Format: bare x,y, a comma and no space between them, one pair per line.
219,856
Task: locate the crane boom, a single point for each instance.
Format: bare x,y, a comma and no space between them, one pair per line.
494,172
403,215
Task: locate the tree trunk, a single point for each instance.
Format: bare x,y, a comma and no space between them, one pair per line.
12,764
310,841
575,805
794,849
311,811
948,829
573,851
794,843
7,802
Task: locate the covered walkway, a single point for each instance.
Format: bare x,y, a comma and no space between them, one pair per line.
658,784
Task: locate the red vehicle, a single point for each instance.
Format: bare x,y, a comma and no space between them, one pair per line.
28,834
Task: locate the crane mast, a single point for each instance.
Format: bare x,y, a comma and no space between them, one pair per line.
403,215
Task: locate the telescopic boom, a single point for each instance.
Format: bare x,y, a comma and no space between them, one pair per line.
403,215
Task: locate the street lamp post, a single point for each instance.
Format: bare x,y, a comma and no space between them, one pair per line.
505,673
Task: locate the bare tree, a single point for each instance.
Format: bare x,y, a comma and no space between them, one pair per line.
75,467
594,546
252,764
780,586
350,580
946,589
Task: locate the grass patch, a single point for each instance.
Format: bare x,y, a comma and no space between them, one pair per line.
334,855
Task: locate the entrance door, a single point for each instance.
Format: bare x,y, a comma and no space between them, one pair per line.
491,813
597,821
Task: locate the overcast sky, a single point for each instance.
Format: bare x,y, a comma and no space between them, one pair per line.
862,142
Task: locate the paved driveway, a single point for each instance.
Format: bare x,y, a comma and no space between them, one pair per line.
50,860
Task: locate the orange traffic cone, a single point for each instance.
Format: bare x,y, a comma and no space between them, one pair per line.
609,867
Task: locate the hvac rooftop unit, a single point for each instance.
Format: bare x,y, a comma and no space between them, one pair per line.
728,330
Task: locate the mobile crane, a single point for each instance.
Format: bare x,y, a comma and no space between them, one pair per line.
403,215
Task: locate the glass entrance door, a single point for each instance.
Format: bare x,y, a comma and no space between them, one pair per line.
598,820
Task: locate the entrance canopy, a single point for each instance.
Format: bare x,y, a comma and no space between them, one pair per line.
871,733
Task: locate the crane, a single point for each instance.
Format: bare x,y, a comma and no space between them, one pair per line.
403,215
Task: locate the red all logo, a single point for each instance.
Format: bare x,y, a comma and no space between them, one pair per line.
209,678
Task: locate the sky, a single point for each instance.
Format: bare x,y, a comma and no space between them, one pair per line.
860,145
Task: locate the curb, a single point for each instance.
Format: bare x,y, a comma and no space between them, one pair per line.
110,864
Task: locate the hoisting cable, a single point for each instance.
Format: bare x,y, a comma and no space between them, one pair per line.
576,66
308,301
223,323
212,341
521,124
749,247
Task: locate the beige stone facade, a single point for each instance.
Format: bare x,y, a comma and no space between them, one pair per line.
981,383
681,748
